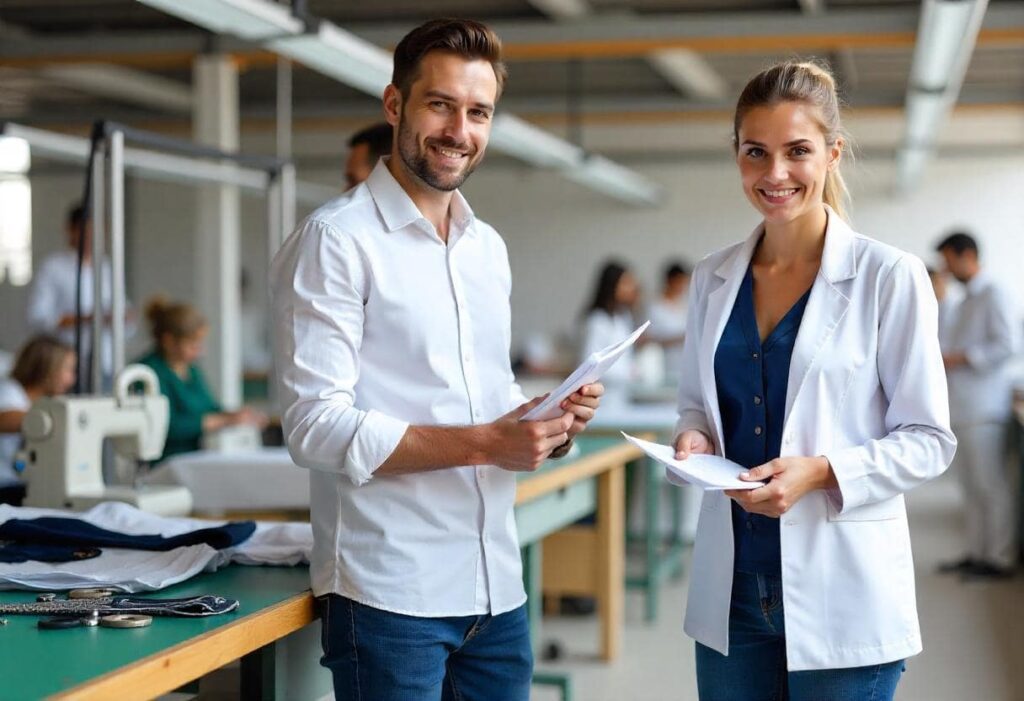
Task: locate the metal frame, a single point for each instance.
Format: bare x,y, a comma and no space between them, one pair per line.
160,158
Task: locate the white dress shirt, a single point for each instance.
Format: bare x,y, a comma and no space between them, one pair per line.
53,296
985,327
668,322
12,398
378,324
601,330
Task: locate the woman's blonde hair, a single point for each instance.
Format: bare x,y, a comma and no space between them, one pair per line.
811,84
177,319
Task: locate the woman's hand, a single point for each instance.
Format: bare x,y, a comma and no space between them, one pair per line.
693,441
789,479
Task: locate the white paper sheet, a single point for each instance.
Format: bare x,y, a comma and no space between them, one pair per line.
709,472
590,370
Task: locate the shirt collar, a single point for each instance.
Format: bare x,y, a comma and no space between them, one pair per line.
838,259
398,210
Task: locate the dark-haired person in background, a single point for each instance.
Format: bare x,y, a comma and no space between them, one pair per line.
52,300
667,314
983,336
608,319
365,148
392,318
44,367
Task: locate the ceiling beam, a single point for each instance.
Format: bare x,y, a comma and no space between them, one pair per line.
589,36
689,73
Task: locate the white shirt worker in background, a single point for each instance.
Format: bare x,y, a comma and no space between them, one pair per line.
983,335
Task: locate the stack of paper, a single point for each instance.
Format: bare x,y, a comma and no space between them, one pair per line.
709,472
590,370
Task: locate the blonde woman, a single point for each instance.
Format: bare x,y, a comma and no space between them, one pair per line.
812,359
44,367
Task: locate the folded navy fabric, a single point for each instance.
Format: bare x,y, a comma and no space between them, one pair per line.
24,552
52,530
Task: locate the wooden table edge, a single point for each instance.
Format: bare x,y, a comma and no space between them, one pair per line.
169,669
587,466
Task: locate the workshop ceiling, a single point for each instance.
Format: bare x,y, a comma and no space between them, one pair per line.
597,63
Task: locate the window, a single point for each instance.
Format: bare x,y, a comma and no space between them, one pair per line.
15,212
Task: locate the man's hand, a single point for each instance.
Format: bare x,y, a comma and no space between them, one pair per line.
693,442
582,405
789,480
522,446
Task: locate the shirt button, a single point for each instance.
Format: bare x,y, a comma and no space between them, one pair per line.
750,525
757,400
755,356
757,430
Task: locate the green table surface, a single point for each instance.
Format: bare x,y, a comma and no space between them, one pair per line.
35,663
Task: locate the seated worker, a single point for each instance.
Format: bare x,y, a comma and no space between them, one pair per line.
178,333
45,366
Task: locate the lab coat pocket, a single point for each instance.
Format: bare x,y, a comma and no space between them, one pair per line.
885,510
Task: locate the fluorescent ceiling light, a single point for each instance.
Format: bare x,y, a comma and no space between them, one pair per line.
925,114
15,157
563,9
599,173
689,73
249,19
910,165
124,84
941,39
513,136
340,55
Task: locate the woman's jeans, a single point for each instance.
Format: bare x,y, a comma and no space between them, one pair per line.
755,669
376,655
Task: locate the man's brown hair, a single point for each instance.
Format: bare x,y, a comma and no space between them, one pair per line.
463,37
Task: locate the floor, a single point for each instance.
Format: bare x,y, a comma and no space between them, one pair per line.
973,632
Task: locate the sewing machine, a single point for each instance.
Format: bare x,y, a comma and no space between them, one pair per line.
63,454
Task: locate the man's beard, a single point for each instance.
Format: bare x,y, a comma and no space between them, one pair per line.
419,165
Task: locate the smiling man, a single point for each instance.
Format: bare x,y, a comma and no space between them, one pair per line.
393,326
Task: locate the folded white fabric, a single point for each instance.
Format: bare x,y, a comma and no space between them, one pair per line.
140,570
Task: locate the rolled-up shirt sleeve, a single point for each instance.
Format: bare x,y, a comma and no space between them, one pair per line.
319,282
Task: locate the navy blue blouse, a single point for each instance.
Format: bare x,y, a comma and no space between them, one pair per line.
752,379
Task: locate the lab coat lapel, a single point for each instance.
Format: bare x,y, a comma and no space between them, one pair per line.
826,306
720,304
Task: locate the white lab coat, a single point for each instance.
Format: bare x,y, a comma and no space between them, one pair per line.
867,390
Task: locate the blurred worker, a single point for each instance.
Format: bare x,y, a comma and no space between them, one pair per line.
365,148
667,315
983,337
44,367
609,319
52,300
179,331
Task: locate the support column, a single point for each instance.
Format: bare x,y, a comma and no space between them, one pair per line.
218,228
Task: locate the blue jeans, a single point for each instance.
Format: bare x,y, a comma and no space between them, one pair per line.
376,655
755,669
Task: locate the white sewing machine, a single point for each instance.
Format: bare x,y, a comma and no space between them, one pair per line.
63,452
